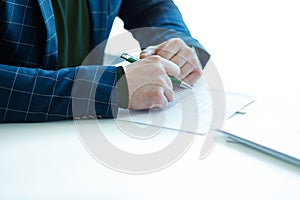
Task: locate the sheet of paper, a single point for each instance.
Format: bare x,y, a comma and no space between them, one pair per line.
192,110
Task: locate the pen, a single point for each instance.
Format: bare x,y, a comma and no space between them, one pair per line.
176,81
264,149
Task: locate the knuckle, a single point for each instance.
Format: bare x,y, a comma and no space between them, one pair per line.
177,41
188,54
158,70
197,75
156,83
155,58
177,70
194,62
164,104
190,51
156,96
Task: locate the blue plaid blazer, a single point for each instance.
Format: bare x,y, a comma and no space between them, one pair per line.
34,89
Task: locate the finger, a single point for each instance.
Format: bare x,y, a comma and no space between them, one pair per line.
159,99
169,94
186,70
162,105
179,59
191,65
168,50
151,50
171,68
192,78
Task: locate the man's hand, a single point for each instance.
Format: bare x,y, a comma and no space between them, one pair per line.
148,82
178,52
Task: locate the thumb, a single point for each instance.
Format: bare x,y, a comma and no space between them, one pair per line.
149,51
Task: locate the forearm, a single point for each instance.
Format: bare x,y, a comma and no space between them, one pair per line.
152,13
163,21
36,95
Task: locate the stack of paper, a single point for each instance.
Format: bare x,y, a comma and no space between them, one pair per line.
192,111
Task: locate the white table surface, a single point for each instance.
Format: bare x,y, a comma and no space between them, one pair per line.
48,161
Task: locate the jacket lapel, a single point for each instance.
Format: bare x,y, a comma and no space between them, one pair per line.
99,13
50,60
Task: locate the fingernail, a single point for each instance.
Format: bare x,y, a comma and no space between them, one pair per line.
145,52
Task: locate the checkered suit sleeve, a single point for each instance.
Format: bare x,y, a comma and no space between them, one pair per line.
36,95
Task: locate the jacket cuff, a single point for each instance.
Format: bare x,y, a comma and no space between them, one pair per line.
122,89
94,92
202,55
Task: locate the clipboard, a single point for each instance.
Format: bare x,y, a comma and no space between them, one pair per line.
269,128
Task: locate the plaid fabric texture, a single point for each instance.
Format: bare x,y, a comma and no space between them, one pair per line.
32,86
